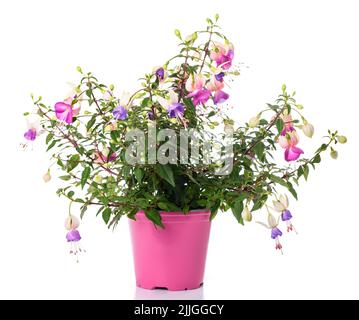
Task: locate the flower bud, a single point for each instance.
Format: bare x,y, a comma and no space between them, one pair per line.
253,122
72,222
46,177
246,214
98,179
308,129
342,139
334,154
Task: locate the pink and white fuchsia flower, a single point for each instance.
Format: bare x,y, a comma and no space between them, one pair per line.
281,205
223,55
196,87
216,86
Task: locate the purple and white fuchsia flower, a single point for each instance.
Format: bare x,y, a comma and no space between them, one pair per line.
281,205
120,113
195,85
33,130
173,107
73,235
272,224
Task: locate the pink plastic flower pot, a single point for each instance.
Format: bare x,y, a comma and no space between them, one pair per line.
174,257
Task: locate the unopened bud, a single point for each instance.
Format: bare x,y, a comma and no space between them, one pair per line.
246,214
334,154
98,179
253,122
47,176
308,129
342,139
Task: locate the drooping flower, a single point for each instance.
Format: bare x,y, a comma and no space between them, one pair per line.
151,115
288,140
196,89
223,55
272,224
73,235
216,86
281,205
173,107
66,112
120,113
105,156
333,153
33,130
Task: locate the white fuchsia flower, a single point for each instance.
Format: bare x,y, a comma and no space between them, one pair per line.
281,205
73,235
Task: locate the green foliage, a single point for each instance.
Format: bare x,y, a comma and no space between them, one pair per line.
91,151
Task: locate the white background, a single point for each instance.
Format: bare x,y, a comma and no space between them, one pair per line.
312,46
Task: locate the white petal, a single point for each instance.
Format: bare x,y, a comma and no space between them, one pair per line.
263,224
163,102
173,97
278,206
272,221
284,200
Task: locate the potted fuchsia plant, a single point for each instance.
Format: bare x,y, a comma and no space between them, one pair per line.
169,158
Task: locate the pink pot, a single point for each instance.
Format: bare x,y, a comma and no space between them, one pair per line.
174,257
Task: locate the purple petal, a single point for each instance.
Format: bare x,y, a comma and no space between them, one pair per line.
220,97
120,113
160,73
73,235
175,110
286,215
220,76
151,115
200,96
30,134
292,153
276,233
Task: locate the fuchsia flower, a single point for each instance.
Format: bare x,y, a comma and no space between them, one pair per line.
173,107
216,86
73,235
275,231
289,140
105,156
65,111
119,113
281,205
223,55
196,89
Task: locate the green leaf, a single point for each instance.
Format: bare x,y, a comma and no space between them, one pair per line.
65,178
316,159
280,125
70,194
305,172
163,206
73,162
292,191
106,214
49,138
154,216
259,150
237,209
85,175
138,174
91,123
51,145
278,180
214,209
166,173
